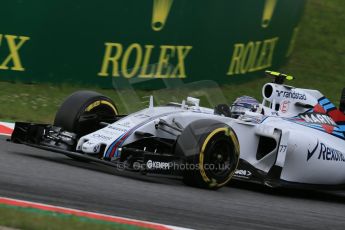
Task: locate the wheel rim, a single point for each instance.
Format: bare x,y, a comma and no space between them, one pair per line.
219,160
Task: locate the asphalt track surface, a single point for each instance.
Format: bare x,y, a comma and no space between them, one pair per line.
41,176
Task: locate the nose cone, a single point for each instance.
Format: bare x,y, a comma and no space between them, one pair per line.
90,147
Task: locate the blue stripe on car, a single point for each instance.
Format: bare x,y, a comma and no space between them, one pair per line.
324,101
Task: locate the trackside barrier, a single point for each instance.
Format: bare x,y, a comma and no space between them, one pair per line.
97,42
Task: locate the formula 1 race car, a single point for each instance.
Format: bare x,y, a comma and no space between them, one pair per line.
295,138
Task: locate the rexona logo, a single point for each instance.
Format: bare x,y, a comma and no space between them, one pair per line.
326,153
157,165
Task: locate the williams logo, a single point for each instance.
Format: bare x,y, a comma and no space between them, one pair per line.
326,153
161,10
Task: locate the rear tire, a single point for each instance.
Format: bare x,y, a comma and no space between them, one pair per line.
211,150
82,112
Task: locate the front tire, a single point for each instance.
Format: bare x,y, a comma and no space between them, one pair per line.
212,148
82,112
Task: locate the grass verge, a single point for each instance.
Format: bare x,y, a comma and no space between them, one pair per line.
30,218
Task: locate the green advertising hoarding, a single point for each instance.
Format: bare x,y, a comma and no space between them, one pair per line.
88,42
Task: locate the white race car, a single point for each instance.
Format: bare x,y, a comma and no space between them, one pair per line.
296,137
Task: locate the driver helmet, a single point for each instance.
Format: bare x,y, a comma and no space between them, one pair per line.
243,104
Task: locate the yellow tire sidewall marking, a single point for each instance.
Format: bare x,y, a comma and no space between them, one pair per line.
100,102
227,132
